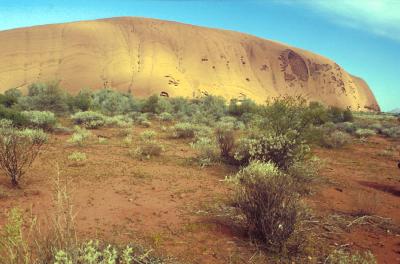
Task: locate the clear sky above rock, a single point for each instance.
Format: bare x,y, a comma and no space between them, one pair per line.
363,36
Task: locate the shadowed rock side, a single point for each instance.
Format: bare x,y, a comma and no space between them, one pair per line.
147,56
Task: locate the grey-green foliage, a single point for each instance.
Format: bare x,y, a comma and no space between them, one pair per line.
80,136
343,257
364,132
184,130
392,132
282,149
45,97
41,119
111,102
266,197
165,116
336,139
89,119
92,252
207,151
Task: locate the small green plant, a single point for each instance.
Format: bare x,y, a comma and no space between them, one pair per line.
207,151
121,121
184,130
89,119
148,135
165,116
364,132
41,119
80,136
13,246
148,146
336,139
77,157
343,257
392,132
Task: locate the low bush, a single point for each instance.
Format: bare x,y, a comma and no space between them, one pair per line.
37,136
184,130
336,139
17,118
89,119
18,150
393,132
364,133
304,174
225,139
283,150
148,146
80,136
207,151
148,135
45,97
111,102
347,127
165,116
342,257
77,156
41,119
268,201
147,149
121,121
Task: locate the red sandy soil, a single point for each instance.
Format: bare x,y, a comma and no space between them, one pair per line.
161,202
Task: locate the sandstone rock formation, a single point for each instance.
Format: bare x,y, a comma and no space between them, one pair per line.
148,56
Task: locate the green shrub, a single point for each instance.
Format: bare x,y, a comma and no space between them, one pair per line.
41,119
393,132
80,136
148,135
89,119
18,150
121,121
77,158
13,245
81,102
317,113
266,198
147,149
240,107
207,151
112,102
283,150
37,136
16,117
165,116
347,127
157,104
336,139
304,174
364,133
184,130
225,139
45,97
342,257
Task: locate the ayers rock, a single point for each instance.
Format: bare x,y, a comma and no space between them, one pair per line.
148,56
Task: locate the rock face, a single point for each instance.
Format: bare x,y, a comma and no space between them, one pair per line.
147,56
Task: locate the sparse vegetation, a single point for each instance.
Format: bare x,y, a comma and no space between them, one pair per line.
268,144
80,136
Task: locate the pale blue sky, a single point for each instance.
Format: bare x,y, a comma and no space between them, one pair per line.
363,36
